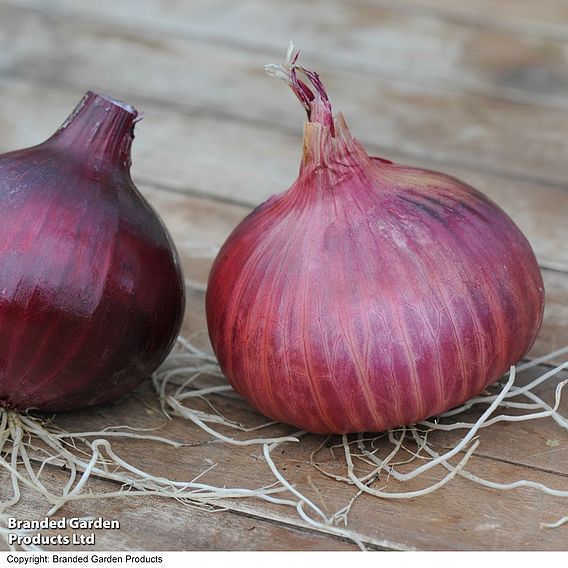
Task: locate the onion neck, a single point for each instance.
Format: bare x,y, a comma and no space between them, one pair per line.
328,145
334,150
99,132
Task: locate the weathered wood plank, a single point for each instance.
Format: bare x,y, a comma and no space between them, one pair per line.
148,524
429,121
247,163
353,34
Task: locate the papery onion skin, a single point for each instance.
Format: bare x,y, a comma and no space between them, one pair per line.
91,287
370,295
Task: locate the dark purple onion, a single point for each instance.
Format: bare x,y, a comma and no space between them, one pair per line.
91,288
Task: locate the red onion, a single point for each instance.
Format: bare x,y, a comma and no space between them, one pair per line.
91,289
370,295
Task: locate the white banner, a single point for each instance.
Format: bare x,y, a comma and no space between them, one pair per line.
273,559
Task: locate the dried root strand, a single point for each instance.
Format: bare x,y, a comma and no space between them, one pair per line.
556,524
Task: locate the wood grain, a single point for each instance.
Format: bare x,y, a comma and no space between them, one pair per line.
375,38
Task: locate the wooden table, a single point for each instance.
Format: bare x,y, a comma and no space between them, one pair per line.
475,89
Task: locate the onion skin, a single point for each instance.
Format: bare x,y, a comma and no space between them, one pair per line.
370,295
91,288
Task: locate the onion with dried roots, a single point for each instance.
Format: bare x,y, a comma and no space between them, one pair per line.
370,295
